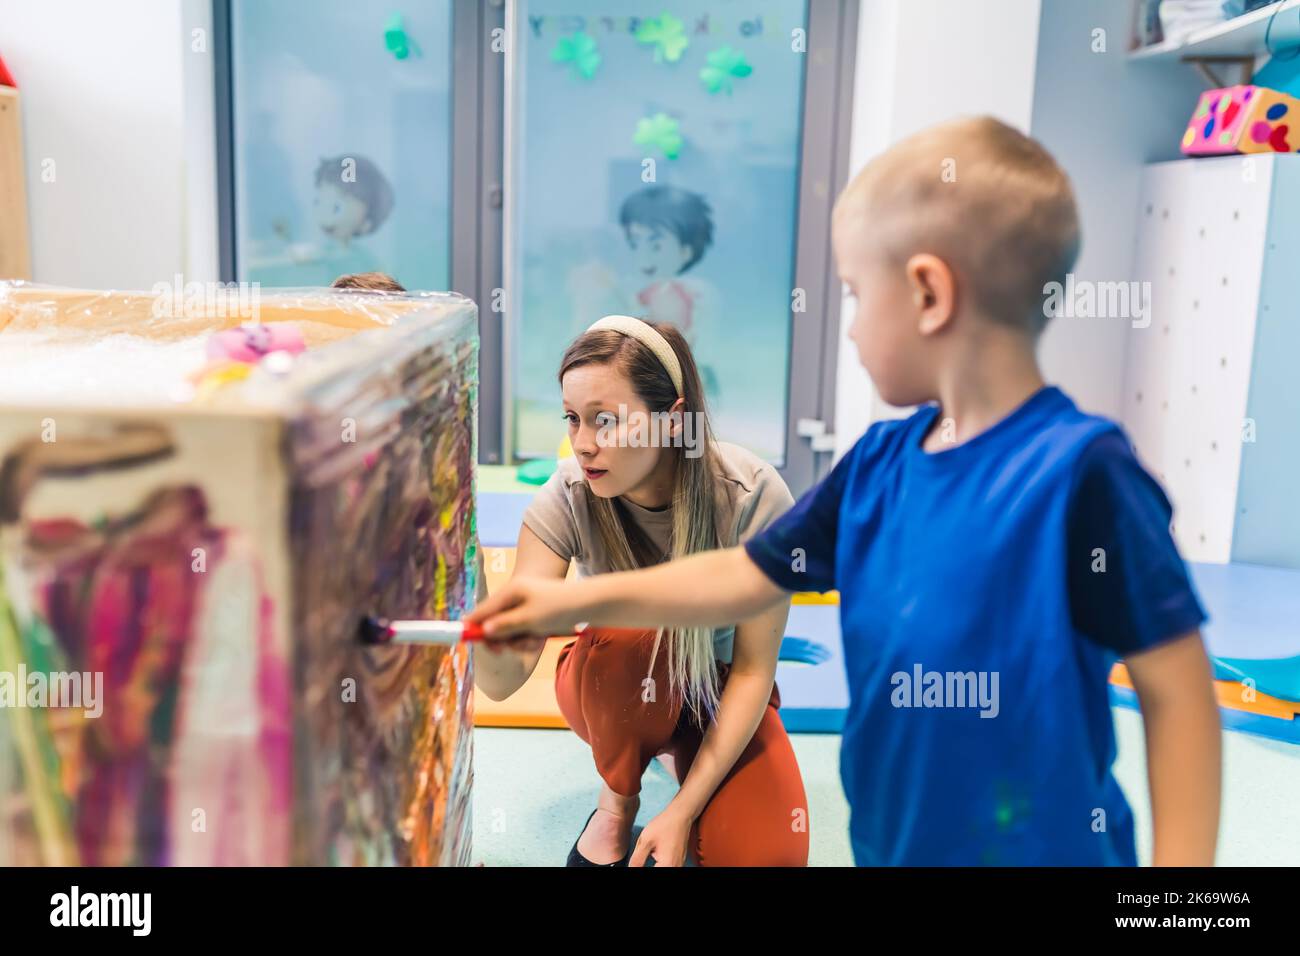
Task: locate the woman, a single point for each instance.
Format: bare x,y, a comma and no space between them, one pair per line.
643,487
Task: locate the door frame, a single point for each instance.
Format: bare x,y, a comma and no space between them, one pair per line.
824,164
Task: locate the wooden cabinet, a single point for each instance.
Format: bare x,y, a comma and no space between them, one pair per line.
15,260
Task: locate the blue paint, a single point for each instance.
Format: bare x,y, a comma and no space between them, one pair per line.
1276,111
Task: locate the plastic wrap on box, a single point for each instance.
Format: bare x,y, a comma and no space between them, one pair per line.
184,558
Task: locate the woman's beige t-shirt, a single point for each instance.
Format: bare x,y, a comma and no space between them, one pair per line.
559,515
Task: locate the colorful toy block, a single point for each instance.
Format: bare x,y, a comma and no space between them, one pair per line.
1243,119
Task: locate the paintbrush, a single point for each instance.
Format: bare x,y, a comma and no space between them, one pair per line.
379,630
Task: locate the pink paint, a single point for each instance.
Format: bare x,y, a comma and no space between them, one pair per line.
249,343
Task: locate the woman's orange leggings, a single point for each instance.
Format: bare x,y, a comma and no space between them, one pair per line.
758,816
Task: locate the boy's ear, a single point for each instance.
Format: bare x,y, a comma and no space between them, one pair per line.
933,291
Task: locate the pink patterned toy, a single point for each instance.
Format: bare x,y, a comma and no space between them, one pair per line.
1243,119
249,342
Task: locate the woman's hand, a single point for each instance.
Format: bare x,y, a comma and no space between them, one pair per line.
665,838
529,607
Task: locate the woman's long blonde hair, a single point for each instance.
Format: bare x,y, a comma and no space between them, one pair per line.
697,508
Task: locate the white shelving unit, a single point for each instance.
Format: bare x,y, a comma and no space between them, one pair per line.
1239,38
1210,397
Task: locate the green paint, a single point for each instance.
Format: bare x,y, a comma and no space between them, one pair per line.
1010,806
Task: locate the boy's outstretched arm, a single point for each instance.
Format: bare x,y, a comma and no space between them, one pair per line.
712,589
1175,687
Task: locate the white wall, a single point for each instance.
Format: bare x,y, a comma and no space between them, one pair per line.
1034,65
1103,117
921,62
106,88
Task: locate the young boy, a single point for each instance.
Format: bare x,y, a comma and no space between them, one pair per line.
994,552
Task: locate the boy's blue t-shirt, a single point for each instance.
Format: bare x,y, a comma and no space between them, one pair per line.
985,592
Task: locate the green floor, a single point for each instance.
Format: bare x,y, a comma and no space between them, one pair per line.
533,789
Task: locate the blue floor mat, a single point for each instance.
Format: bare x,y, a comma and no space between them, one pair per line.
1251,635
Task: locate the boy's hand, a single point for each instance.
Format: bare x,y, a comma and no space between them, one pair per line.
529,607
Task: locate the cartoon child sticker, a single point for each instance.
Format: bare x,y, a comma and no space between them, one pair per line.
668,230
353,198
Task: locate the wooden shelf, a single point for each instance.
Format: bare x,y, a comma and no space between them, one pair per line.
1240,37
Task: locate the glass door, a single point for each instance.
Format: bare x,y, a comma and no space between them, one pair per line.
654,169
341,118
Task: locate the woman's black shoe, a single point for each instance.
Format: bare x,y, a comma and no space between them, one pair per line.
577,859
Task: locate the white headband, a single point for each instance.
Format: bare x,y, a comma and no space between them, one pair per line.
645,333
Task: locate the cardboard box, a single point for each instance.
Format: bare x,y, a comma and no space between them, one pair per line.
203,556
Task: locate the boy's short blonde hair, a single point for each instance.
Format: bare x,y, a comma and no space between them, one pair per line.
982,196
369,282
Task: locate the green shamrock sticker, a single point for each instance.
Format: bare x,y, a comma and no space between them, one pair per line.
661,132
723,65
580,50
667,33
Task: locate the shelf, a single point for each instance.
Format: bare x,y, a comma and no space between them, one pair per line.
1240,37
